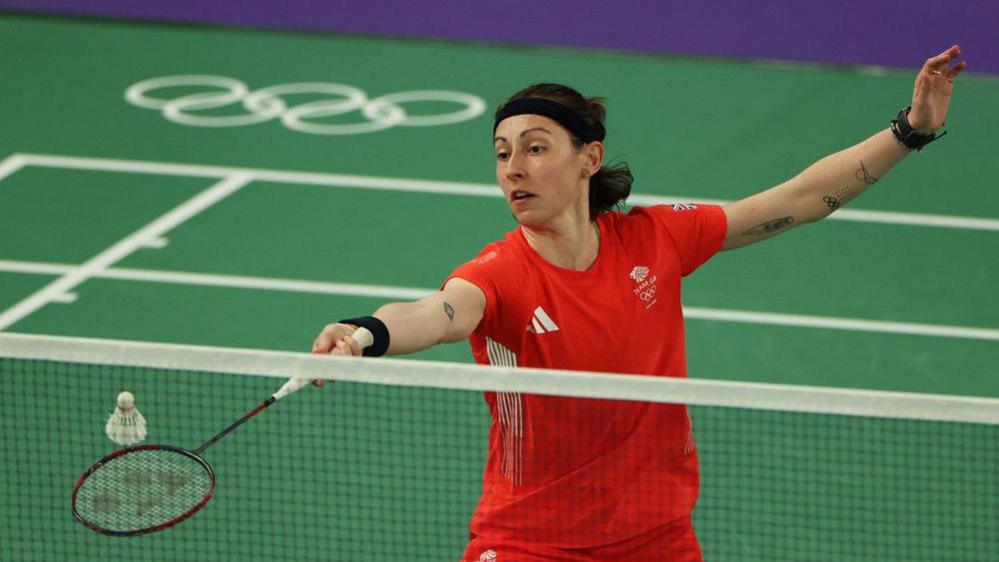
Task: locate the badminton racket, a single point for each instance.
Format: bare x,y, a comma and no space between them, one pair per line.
148,488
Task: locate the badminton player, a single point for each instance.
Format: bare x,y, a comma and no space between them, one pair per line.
579,285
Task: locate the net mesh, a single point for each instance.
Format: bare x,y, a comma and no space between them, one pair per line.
362,470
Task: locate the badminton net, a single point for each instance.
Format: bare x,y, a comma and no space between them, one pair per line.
387,463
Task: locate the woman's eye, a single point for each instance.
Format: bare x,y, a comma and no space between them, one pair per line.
501,155
537,149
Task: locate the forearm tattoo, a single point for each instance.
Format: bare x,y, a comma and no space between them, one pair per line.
865,176
770,227
449,310
839,198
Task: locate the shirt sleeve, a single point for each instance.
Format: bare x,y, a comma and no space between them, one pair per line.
477,272
697,230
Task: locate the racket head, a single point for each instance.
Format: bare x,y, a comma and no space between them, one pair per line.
142,489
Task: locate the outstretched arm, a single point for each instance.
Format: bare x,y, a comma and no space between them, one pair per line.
449,315
839,178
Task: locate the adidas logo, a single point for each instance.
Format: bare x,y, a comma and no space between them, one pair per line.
541,322
488,556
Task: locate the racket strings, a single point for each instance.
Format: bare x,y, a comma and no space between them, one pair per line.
142,489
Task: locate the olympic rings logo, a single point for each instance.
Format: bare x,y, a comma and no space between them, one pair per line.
265,104
647,295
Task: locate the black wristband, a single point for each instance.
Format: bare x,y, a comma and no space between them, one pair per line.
377,329
907,135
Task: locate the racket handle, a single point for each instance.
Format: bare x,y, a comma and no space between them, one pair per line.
362,336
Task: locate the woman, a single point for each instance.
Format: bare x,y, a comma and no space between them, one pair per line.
580,286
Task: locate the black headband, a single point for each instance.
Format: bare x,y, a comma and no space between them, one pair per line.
553,110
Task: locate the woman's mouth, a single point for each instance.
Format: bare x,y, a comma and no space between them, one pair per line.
519,196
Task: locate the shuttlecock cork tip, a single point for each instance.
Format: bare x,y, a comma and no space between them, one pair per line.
126,401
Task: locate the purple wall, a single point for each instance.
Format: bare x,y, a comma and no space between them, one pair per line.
882,32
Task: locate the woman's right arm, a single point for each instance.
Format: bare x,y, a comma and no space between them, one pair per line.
449,315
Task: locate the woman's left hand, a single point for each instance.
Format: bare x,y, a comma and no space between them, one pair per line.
933,89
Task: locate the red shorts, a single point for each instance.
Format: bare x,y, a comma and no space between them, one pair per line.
675,542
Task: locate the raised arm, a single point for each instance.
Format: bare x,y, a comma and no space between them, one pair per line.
839,178
449,315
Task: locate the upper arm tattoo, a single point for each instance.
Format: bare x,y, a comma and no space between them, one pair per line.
449,310
770,227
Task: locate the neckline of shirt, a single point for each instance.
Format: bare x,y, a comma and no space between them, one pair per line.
594,268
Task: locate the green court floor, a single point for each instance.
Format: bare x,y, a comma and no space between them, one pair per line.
914,269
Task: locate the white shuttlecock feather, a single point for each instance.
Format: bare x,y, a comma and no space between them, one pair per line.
126,425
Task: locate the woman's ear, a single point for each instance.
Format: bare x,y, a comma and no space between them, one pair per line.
594,158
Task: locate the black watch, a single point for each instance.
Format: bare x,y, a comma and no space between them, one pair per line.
906,135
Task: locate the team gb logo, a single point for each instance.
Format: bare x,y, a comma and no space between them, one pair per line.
645,285
639,273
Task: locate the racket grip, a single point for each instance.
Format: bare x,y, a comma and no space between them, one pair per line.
364,337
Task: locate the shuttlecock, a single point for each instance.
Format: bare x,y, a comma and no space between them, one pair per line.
126,425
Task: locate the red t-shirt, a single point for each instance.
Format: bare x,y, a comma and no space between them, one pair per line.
577,472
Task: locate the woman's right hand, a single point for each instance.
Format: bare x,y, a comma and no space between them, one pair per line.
335,340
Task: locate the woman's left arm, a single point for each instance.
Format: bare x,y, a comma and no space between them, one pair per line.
839,178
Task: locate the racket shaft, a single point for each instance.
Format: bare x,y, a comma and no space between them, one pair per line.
236,424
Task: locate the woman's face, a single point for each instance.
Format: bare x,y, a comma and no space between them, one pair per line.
542,175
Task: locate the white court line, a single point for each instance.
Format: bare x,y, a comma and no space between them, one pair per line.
833,323
260,174
257,283
456,188
59,288
408,293
856,215
11,164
